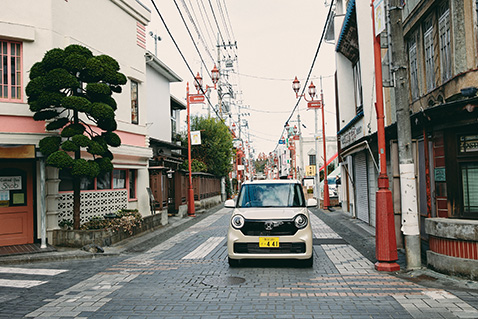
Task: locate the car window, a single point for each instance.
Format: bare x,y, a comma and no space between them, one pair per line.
271,195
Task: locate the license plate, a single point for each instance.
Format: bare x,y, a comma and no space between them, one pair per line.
268,242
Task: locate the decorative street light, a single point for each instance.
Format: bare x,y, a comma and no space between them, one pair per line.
316,104
196,99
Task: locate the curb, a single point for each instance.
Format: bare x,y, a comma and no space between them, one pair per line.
136,244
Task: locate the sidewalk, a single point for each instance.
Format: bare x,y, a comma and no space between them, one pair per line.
362,237
139,243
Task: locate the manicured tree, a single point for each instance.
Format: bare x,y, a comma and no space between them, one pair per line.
70,89
216,145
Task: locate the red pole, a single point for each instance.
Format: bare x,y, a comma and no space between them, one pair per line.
326,184
191,208
385,240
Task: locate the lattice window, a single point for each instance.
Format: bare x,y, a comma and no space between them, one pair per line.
412,58
93,204
429,55
445,42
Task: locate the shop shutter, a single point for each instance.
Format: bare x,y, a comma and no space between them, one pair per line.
361,186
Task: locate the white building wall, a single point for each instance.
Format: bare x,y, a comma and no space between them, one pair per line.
158,119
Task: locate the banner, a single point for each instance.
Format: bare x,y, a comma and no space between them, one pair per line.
195,137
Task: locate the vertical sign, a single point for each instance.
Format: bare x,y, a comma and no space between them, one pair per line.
379,15
196,138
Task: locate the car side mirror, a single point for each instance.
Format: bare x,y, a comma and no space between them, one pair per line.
230,203
311,202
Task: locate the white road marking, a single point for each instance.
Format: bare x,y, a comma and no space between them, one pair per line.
203,250
20,283
31,271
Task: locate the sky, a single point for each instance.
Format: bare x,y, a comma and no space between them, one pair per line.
276,41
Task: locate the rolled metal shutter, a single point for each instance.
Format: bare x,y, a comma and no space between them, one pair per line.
361,187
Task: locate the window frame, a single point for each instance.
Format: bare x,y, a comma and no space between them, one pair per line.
429,54
444,36
18,75
413,65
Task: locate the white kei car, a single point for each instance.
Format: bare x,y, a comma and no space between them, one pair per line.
270,220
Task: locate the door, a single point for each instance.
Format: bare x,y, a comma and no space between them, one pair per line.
16,203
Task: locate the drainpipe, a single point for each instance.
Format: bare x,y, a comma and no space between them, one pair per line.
42,203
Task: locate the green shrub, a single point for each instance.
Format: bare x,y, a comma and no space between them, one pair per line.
125,221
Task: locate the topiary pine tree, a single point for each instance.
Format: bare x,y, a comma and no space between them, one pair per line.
71,88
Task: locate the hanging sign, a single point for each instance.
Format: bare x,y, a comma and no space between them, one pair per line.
195,137
196,98
379,16
315,104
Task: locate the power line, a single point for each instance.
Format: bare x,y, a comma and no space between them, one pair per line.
197,27
310,70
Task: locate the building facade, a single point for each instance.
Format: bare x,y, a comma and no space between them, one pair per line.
441,46
35,199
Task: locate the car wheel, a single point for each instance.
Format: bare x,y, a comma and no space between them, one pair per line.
308,263
233,262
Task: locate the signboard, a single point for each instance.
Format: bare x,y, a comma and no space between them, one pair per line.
468,143
310,170
440,174
240,167
379,16
281,141
353,134
195,137
196,98
9,183
314,104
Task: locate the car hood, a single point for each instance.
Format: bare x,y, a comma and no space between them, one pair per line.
270,213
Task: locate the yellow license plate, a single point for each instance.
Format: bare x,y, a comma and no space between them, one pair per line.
268,242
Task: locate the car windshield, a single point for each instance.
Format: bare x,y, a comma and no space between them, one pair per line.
271,195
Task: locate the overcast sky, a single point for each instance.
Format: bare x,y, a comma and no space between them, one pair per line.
276,40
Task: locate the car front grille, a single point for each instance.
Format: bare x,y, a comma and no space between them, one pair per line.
284,248
259,228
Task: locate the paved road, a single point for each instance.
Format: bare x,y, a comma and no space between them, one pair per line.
187,276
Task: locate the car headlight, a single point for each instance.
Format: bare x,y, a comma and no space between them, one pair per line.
300,221
237,221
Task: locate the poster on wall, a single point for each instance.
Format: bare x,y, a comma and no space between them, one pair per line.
10,183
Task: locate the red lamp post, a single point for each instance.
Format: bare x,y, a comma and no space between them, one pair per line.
316,104
385,241
196,99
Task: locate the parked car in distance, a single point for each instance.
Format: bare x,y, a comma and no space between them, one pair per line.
270,220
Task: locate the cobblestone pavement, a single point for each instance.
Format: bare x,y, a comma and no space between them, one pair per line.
187,276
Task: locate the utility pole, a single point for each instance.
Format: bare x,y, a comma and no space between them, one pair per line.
410,217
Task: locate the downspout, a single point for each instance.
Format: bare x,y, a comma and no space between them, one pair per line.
42,203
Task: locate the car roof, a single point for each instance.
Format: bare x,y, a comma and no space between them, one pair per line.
273,181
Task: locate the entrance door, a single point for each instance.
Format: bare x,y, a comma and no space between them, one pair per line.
16,203
171,194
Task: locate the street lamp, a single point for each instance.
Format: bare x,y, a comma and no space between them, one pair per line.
196,99
316,104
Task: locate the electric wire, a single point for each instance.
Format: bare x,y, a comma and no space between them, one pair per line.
197,27
310,70
192,38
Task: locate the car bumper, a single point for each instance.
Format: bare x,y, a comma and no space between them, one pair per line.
298,246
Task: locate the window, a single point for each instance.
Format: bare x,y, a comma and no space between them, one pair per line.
110,180
412,58
429,55
104,181
445,46
357,88
132,183
173,125
134,102
469,174
119,179
10,71
312,160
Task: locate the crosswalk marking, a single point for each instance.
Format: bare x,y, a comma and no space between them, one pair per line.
21,283
31,271
205,248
